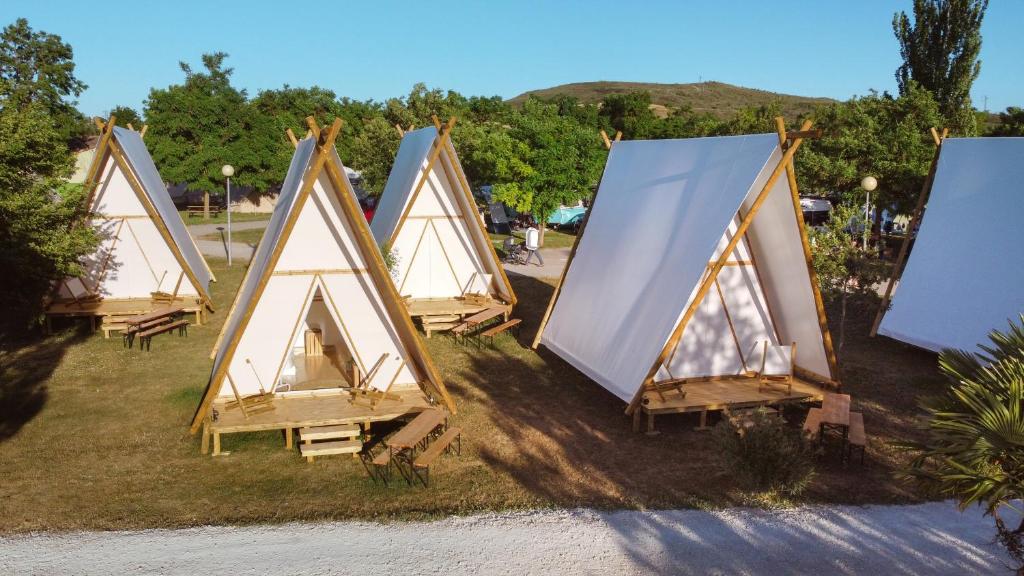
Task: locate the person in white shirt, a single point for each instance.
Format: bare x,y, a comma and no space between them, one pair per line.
533,245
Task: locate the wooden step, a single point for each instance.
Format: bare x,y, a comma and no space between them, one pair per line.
329,448
330,432
440,318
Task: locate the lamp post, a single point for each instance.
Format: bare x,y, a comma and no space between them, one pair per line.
228,171
869,183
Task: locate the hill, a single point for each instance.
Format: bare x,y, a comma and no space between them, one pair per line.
717,98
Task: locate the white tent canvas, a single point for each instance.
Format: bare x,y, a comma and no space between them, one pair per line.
144,245
664,213
312,271
963,277
428,218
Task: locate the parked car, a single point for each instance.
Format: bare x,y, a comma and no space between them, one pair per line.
572,224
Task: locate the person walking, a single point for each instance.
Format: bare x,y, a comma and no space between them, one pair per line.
533,245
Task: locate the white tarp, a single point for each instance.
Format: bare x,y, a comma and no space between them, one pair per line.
440,252
965,275
320,281
660,216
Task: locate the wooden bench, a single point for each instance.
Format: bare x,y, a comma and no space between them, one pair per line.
200,210
130,331
379,466
495,330
857,438
421,466
146,336
812,425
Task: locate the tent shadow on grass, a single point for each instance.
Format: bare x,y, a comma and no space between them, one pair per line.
25,368
566,440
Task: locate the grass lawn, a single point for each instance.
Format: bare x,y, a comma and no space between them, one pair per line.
251,237
222,218
95,436
552,239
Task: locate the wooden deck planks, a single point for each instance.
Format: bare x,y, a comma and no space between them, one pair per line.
728,393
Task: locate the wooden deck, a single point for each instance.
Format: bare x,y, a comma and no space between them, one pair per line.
732,393
111,312
330,407
438,315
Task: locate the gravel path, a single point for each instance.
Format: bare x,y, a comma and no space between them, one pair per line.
924,539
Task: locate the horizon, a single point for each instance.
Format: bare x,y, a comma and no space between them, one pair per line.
373,53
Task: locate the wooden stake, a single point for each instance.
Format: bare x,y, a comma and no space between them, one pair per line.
812,274
142,133
915,217
607,142
673,341
292,138
401,132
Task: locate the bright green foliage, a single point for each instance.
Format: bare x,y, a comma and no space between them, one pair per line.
37,68
766,455
125,115
565,161
1011,123
940,51
875,135
373,152
974,451
630,114
197,127
38,244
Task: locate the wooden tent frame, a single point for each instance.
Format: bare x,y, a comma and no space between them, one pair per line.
443,151
789,142
915,217
108,146
322,162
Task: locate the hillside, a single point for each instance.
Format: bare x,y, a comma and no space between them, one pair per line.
717,98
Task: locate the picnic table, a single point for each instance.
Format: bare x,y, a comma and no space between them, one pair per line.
158,314
147,325
485,315
414,433
835,413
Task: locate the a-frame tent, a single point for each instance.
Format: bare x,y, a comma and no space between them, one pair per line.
963,278
146,257
428,218
692,256
316,273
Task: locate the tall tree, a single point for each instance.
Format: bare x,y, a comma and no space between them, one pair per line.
198,126
126,115
940,51
1011,123
39,68
630,114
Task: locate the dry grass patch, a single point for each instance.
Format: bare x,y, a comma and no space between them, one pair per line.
96,437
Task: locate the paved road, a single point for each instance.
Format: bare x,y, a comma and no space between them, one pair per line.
926,539
218,248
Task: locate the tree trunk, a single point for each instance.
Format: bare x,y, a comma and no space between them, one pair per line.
206,205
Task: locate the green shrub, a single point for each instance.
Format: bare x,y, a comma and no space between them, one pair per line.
765,454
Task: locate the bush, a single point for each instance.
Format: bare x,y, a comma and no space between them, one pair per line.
766,454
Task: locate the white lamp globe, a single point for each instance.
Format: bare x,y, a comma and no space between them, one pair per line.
869,183
227,170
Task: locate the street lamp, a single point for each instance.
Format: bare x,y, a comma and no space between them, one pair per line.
228,171
869,183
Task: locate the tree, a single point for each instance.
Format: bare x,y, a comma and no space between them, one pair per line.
630,114
38,68
38,243
373,153
940,52
844,269
974,433
126,115
198,126
1011,123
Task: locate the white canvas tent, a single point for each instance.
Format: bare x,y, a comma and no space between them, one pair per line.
963,278
429,219
316,269
144,246
693,253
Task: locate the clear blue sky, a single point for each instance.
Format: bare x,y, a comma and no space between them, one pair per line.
378,49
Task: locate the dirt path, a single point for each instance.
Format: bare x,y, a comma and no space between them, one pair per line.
926,539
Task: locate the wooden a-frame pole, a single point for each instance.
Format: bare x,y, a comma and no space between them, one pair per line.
434,155
819,303
382,279
315,165
673,340
915,217
572,253
462,183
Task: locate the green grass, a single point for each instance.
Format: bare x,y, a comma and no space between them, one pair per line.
552,239
716,98
222,218
95,436
244,236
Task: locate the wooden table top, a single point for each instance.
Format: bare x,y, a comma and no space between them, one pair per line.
414,432
835,409
486,315
155,314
